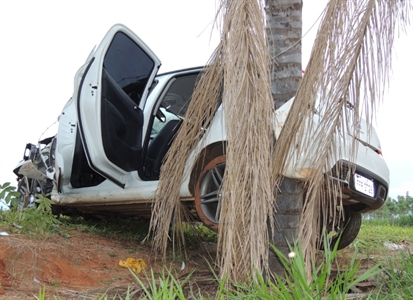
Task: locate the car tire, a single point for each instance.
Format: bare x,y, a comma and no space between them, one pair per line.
208,192
352,225
29,188
24,188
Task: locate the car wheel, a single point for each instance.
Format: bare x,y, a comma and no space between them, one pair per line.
208,192
26,198
346,231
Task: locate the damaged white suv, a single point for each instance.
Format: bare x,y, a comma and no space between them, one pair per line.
116,129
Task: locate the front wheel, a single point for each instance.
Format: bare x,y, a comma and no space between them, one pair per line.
24,190
28,189
208,192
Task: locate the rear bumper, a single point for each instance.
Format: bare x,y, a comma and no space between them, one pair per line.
359,201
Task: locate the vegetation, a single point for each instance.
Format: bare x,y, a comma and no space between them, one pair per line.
398,212
31,220
331,278
397,279
322,284
8,194
372,237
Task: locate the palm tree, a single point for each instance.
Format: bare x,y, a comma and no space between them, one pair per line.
350,62
356,39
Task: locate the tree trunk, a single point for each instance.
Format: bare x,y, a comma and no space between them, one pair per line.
284,30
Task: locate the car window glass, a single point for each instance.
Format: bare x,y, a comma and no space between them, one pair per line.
179,94
128,65
175,102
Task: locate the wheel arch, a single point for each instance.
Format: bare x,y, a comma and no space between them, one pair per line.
207,154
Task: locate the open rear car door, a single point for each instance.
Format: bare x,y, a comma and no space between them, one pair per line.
110,102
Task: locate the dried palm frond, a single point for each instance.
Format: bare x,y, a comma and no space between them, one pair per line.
167,207
247,201
348,71
239,70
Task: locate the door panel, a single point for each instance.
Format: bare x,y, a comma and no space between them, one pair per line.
111,96
122,122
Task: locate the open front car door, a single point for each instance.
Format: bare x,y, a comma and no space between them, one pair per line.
110,102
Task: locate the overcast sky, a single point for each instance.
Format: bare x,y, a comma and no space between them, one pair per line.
43,43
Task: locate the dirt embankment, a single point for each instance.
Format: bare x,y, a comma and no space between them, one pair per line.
79,266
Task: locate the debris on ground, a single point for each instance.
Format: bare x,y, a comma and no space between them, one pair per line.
137,265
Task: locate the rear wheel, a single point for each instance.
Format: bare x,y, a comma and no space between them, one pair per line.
208,192
345,231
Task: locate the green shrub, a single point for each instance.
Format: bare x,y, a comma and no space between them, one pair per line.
35,219
8,194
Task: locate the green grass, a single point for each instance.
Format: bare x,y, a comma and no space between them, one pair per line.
372,237
401,221
122,228
324,283
395,281
166,286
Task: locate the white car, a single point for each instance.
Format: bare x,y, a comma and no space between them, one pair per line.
116,129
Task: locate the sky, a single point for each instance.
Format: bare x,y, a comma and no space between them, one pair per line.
43,43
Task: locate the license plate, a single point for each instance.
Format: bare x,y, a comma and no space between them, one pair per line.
364,185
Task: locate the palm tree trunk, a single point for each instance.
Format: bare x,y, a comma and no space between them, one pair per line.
284,30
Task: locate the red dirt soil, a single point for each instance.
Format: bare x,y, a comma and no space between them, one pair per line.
80,266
